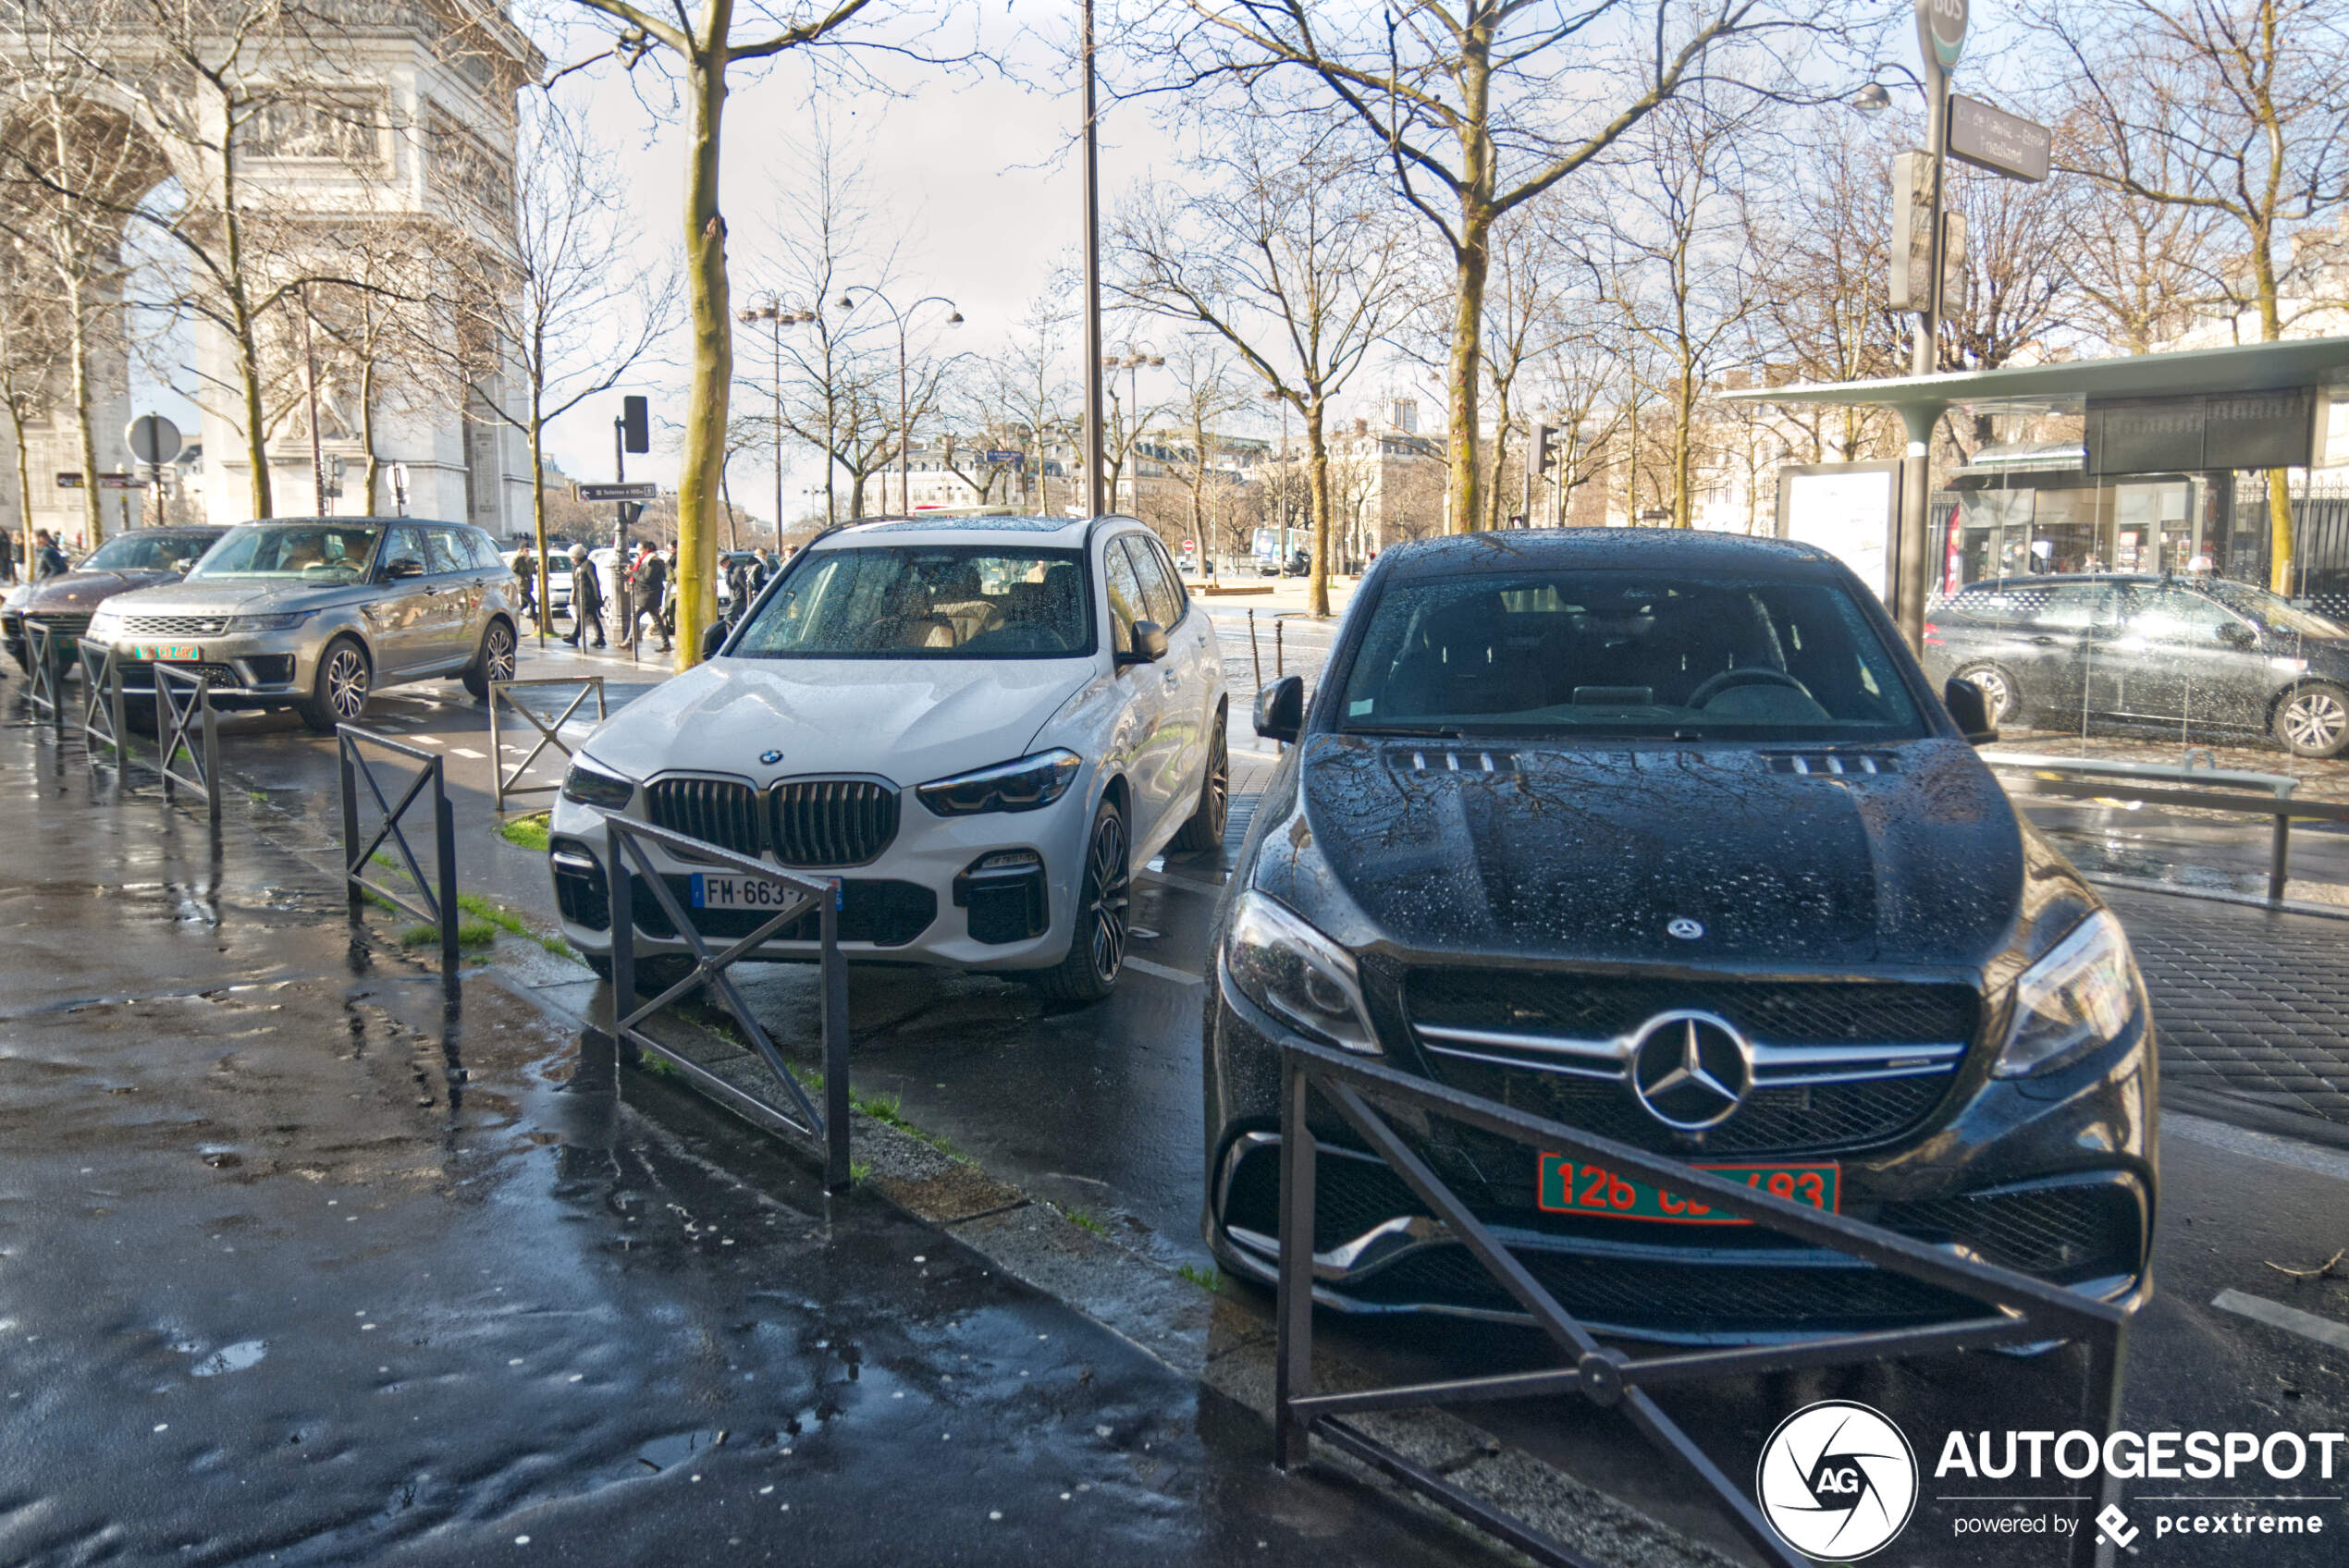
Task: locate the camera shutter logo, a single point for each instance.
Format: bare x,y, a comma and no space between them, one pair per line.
1837,1480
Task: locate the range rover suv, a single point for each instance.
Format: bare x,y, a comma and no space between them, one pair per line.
1664,836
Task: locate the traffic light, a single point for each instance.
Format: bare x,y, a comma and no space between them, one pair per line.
636,424
1548,449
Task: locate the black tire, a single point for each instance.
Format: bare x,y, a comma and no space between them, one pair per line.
494,662
1204,831
1098,937
2312,720
340,689
2000,693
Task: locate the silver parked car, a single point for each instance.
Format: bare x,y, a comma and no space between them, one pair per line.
314,613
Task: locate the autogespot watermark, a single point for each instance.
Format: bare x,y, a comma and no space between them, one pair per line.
1840,1482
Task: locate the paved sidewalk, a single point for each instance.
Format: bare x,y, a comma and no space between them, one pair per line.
2253,1005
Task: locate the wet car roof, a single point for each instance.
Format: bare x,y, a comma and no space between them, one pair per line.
1635,549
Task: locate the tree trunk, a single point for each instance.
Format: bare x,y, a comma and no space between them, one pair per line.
372,474
94,517
1468,318
538,520
1317,470
24,495
700,473
1683,419
2279,541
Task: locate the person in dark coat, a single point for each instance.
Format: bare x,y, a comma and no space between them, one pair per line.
650,585
586,598
47,559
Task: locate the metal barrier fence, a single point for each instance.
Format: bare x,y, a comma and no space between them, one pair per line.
2019,1309
796,894
47,671
180,724
2031,779
102,713
507,783
438,891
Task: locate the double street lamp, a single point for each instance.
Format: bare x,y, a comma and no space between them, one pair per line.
904,429
1131,362
776,317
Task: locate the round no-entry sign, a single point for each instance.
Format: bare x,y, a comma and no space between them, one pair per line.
152,438
1941,31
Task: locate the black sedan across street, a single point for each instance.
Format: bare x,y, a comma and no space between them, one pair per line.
1665,837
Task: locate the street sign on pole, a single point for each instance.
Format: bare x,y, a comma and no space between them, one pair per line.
1000,459
152,438
616,492
1994,140
1912,230
1941,30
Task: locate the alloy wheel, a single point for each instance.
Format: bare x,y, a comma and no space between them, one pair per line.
1105,882
347,684
500,663
2316,721
1219,779
1996,693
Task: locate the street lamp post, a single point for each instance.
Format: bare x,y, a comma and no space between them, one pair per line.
905,430
777,318
1131,362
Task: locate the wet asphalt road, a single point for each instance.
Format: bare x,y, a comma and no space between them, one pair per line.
302,1261
1100,1110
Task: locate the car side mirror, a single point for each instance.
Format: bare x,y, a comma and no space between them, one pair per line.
1150,644
1971,709
713,637
406,566
1280,709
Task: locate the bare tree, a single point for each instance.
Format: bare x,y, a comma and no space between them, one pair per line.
2238,109
2138,273
557,311
1281,251
31,347
1478,106
1205,393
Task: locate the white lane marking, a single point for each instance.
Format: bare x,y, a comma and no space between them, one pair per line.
1180,976
1188,885
2274,1149
465,751
428,739
2259,1309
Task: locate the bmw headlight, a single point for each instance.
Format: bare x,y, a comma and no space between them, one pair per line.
590,787
285,622
2081,995
1299,977
1029,784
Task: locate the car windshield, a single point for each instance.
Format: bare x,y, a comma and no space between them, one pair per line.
319,552
2276,613
1621,653
149,551
912,602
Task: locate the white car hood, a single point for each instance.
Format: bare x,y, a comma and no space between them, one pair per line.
906,721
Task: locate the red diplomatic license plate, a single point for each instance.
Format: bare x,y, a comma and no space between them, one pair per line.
1567,1186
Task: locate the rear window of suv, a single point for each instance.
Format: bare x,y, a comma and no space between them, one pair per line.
1619,653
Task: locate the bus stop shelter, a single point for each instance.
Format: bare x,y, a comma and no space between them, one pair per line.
2168,471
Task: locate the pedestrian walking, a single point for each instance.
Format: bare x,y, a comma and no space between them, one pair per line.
648,586
526,577
7,558
587,599
47,559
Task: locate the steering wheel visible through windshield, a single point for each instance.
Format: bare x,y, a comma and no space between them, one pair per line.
308,551
1620,653
915,601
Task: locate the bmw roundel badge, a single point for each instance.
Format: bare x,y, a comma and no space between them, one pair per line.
770,758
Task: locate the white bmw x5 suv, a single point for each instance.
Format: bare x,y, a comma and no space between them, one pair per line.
983,726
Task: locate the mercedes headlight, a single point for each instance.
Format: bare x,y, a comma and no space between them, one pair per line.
590,787
1029,784
1296,975
285,622
2081,995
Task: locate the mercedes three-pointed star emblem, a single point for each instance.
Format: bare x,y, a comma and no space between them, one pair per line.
1691,1069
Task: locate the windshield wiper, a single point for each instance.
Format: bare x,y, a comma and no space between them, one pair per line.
1414,731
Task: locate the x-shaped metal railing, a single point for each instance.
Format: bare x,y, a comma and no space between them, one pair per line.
438,892
629,862
2018,1308
508,782
102,722
182,722
48,671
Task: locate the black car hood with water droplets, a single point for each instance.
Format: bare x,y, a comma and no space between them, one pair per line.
1589,853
